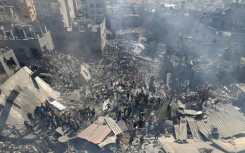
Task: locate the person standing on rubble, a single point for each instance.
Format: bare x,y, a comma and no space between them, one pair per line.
115,95
57,120
47,105
93,112
108,106
47,124
125,111
141,115
88,111
154,90
151,128
118,141
156,135
130,142
129,110
42,110
28,125
30,117
141,141
128,94
119,115
53,125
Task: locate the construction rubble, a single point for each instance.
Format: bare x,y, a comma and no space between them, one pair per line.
175,84
121,104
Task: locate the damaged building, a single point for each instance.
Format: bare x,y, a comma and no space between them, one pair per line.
8,14
94,9
9,64
15,101
86,39
27,42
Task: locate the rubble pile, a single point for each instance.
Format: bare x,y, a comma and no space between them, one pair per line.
64,70
118,47
143,95
125,95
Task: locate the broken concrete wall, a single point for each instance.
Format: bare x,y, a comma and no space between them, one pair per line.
26,51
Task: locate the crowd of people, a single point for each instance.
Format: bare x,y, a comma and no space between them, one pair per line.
129,101
51,118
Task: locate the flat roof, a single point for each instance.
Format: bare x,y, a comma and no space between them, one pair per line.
32,93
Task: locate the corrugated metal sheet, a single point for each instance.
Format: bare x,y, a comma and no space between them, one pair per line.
96,132
194,130
114,126
58,105
226,118
204,127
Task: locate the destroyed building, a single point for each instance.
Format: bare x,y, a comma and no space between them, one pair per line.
8,14
170,78
9,64
25,8
27,42
86,39
57,15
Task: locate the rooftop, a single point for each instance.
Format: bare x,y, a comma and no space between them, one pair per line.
32,92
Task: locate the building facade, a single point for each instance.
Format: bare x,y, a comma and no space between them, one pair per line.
56,15
8,14
25,8
85,40
8,64
28,42
94,9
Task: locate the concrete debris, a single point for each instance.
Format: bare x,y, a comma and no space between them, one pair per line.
173,84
